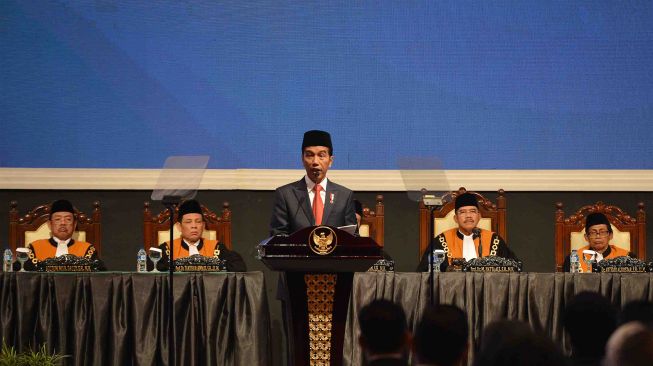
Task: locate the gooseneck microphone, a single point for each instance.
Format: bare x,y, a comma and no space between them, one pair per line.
477,234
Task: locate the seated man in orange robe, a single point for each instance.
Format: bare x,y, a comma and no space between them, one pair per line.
62,224
467,241
598,233
191,223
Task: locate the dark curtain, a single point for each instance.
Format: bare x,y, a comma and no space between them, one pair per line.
536,298
122,318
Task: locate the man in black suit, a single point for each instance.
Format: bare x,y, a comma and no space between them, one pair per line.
314,199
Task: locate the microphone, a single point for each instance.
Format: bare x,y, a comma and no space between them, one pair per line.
477,234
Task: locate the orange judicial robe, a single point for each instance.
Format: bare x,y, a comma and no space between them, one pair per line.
453,245
47,248
451,241
207,248
614,253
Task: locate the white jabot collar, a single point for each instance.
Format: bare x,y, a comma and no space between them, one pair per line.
192,248
62,246
469,248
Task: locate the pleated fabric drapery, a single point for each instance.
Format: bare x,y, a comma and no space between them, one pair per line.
122,318
536,298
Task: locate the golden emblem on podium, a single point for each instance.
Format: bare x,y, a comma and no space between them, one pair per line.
323,240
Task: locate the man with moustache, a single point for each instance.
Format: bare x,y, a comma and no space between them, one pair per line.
463,241
598,233
191,224
314,199
62,223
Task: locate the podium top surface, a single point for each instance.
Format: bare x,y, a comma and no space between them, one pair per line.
319,249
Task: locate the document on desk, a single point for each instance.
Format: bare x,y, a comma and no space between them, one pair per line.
348,228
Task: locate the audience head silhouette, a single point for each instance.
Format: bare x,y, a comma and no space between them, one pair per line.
641,311
441,337
510,342
589,319
384,332
630,345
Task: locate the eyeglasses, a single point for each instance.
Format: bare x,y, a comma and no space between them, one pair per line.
598,234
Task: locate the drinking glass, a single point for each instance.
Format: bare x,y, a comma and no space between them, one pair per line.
22,254
155,256
589,257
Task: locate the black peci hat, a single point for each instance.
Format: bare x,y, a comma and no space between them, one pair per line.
596,218
466,199
317,138
187,207
61,206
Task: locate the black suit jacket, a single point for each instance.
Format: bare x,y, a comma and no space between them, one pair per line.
292,208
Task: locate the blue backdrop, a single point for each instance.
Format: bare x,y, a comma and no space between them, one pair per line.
481,85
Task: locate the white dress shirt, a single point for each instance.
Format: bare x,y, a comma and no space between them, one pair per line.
311,194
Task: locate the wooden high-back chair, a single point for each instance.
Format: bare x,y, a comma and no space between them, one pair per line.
373,222
156,228
628,232
493,216
33,226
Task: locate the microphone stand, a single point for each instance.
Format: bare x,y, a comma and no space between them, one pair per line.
170,202
477,232
432,266
432,203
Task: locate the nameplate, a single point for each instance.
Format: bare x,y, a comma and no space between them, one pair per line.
457,265
492,264
623,265
382,266
69,263
199,263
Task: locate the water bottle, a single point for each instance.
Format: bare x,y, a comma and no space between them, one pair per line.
7,262
574,263
140,261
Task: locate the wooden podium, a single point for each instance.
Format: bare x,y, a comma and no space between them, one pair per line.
318,263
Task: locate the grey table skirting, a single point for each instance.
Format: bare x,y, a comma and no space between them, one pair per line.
121,318
536,298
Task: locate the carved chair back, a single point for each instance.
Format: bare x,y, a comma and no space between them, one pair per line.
156,228
493,216
34,226
372,222
628,232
